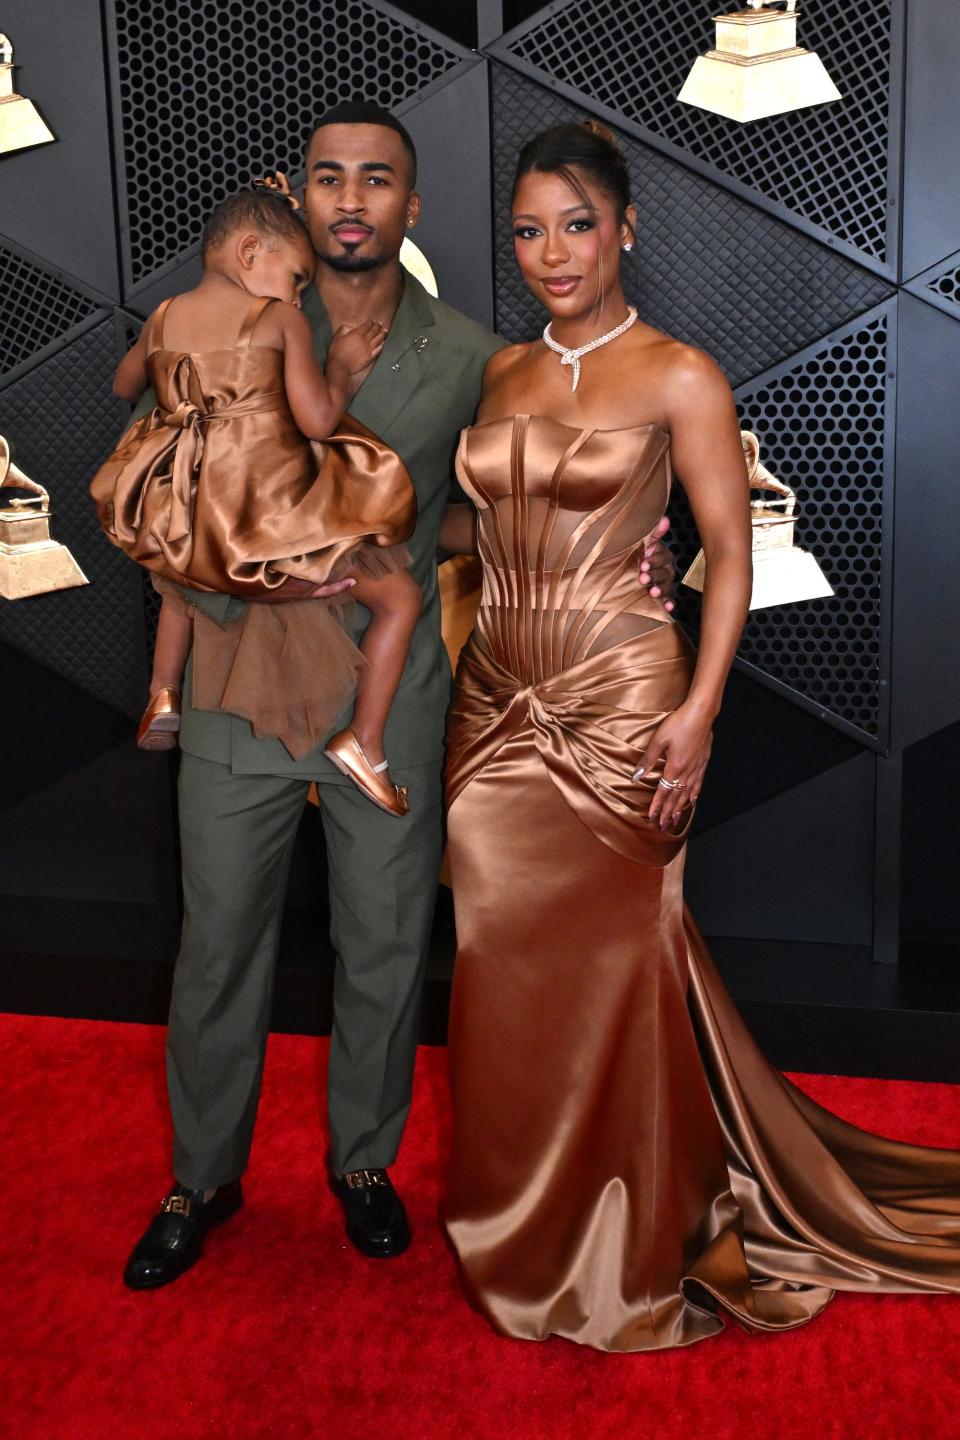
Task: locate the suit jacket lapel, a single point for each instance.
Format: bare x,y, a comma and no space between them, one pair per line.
402,363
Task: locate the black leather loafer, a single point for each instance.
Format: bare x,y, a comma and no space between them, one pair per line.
377,1223
174,1238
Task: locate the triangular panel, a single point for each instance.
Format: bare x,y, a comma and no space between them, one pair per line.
38,308
940,285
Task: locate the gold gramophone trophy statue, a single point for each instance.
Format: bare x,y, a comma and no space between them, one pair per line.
31,563
757,68
21,123
782,572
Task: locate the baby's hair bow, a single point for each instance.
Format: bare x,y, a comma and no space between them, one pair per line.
276,183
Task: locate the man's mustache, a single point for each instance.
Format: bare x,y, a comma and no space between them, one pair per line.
351,225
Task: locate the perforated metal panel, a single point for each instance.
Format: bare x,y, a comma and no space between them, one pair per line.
37,309
828,164
947,286
708,267
940,285
822,426
210,94
93,635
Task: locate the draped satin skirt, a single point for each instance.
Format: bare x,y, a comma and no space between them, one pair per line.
627,1168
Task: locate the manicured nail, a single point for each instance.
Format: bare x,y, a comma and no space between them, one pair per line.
639,773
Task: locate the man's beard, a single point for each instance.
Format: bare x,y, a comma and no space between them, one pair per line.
350,264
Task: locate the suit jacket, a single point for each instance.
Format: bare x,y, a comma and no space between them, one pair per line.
424,387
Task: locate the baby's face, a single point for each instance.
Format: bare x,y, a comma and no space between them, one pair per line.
283,272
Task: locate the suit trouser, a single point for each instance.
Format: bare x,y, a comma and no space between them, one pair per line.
237,837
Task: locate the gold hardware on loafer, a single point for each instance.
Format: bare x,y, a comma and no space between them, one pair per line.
364,1179
176,1205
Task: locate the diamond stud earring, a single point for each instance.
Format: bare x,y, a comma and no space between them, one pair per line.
628,247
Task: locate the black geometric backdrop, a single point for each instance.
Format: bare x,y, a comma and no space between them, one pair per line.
778,246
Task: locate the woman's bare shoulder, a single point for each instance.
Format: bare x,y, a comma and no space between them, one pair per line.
503,362
684,365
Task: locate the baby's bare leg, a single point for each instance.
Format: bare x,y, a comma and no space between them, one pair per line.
174,638
394,602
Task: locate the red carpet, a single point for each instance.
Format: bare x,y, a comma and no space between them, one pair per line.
283,1331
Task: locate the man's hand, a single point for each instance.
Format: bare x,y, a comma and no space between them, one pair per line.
658,567
296,589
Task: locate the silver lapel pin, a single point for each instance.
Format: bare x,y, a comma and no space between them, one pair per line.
419,344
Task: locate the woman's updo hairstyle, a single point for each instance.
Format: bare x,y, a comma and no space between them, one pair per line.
585,146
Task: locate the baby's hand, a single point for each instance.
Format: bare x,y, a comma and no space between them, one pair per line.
355,347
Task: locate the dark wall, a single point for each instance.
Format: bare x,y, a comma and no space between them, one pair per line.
816,255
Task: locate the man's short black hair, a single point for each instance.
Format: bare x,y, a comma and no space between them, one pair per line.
365,112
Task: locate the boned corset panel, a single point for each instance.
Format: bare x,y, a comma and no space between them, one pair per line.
563,516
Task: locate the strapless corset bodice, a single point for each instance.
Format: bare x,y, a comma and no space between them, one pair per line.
563,514
578,469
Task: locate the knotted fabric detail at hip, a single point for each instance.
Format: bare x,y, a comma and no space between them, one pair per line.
589,725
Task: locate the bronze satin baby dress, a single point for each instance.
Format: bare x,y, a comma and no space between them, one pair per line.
627,1168
218,490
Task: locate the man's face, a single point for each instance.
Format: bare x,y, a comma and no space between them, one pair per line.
358,196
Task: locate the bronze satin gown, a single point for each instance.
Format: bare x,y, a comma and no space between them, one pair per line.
217,489
627,1168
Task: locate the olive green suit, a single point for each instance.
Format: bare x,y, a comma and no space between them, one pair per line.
240,803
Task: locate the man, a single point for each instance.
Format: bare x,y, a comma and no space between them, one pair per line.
241,798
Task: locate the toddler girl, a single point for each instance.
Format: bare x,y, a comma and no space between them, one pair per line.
222,488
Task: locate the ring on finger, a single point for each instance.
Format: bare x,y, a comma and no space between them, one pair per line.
670,784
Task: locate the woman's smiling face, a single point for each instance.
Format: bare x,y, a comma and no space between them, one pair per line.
567,238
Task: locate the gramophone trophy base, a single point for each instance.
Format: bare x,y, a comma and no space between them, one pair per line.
780,577
35,569
21,124
752,88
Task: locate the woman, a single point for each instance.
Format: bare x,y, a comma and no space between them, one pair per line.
627,1168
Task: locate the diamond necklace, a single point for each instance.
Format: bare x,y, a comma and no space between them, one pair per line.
572,357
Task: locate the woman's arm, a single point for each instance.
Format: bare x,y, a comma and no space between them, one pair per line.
319,399
458,530
130,376
708,458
